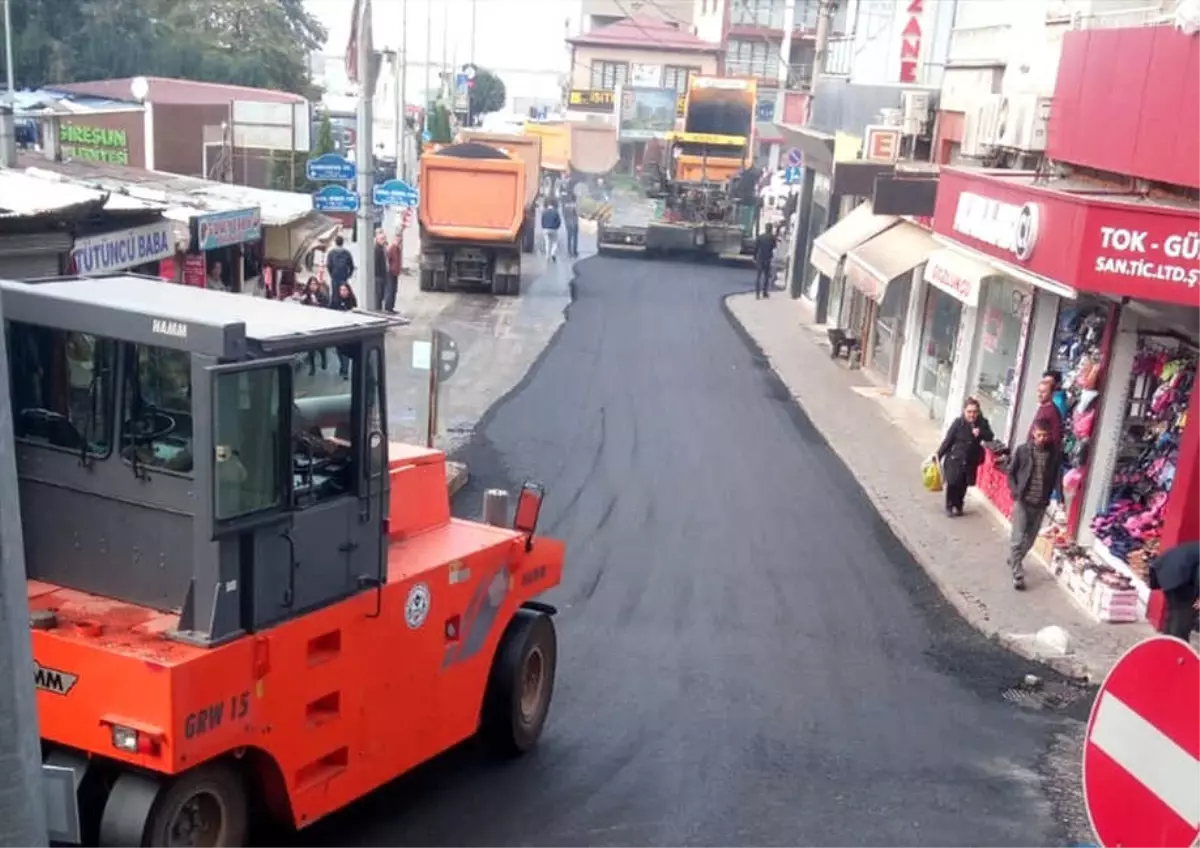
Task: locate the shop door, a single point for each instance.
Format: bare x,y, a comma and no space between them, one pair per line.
939,336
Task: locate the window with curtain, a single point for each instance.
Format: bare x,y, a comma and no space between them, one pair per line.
608,75
677,77
746,58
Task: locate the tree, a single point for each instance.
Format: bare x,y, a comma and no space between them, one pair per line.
439,128
487,94
280,177
259,43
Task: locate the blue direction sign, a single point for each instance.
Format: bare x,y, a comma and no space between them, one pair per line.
395,193
335,198
794,157
426,137
793,175
331,168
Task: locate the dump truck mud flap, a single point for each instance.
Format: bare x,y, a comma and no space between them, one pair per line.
62,775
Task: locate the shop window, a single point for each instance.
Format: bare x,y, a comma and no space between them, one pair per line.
1128,527
608,75
324,440
248,465
1004,308
1078,355
61,387
935,362
156,429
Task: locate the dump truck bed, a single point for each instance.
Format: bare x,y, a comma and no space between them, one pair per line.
594,148
527,148
556,143
469,199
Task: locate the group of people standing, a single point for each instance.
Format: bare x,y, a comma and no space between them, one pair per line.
1035,468
338,295
554,220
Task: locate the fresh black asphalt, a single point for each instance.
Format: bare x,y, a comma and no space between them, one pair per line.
747,655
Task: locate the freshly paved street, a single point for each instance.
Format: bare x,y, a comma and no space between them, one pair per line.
747,654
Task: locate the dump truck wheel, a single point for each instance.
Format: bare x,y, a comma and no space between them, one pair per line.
426,281
514,285
521,684
204,806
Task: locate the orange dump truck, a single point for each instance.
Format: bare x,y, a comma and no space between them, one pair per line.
472,216
577,147
527,148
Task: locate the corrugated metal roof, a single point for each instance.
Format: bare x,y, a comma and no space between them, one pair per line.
25,196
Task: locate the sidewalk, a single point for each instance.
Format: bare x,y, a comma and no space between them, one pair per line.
964,557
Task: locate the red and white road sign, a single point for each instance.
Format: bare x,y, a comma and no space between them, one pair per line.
1141,758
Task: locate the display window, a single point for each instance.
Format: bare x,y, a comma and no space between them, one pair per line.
939,337
1128,527
1004,310
888,331
1079,355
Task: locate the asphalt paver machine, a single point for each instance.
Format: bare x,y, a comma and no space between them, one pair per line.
246,603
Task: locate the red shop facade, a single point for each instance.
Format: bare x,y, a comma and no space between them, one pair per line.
1110,286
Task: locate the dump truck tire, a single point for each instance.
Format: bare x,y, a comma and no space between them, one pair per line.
520,685
204,806
426,280
513,289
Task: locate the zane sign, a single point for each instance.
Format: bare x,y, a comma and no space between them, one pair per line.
911,39
1005,226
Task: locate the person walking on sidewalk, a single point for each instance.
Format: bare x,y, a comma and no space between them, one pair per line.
339,263
764,256
1047,412
551,222
381,268
394,257
570,216
314,295
1035,473
1177,573
344,300
961,454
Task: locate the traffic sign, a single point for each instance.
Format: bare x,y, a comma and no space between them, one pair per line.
793,175
1141,756
427,136
335,198
447,358
395,193
794,157
331,168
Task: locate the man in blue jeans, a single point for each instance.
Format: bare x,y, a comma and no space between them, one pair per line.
339,263
551,222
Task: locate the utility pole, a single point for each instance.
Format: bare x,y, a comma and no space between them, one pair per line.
8,56
365,157
446,79
473,9
785,49
821,45
22,802
401,107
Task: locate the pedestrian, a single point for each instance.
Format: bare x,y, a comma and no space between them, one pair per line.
344,300
570,216
314,295
764,257
961,454
213,279
1034,475
1177,573
380,268
339,263
395,264
551,221
1047,412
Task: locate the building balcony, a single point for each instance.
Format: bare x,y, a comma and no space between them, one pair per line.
839,58
767,74
1131,16
980,46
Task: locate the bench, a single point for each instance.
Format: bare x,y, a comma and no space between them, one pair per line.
842,344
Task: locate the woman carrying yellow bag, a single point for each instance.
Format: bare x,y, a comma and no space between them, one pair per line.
931,475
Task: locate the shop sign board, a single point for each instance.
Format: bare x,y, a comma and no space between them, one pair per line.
604,100
1099,244
330,167
94,144
881,144
646,113
1141,755
958,285
912,13
395,193
106,252
222,229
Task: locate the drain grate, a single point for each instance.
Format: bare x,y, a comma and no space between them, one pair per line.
1047,697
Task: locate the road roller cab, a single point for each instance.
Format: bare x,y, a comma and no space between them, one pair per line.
245,601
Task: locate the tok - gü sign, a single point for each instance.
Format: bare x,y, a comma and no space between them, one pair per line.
228,228
107,252
1170,258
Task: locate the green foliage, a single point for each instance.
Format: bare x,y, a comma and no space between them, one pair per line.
439,125
280,177
259,43
487,94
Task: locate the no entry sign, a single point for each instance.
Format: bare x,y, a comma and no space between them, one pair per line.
1141,759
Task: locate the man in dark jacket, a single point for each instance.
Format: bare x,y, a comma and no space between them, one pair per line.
764,255
339,263
570,216
1034,474
551,221
1177,573
381,268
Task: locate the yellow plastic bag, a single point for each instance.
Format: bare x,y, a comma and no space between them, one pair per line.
931,475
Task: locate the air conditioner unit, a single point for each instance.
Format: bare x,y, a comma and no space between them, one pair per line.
915,107
1021,122
979,127
891,117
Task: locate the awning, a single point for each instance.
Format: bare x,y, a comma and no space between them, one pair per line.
287,246
876,262
832,245
957,274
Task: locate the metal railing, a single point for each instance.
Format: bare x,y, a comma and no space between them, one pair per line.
980,45
839,58
799,76
1142,16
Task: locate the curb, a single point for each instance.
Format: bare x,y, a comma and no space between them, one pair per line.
456,476
1016,643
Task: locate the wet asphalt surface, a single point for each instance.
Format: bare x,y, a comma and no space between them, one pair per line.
746,654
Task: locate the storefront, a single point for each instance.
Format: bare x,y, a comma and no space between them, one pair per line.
847,309
1101,289
880,270
139,250
228,240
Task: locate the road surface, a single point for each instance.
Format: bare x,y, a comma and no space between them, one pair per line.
747,656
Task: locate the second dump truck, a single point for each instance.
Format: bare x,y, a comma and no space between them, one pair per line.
472,216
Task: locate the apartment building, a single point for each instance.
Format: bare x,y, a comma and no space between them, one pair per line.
1001,68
